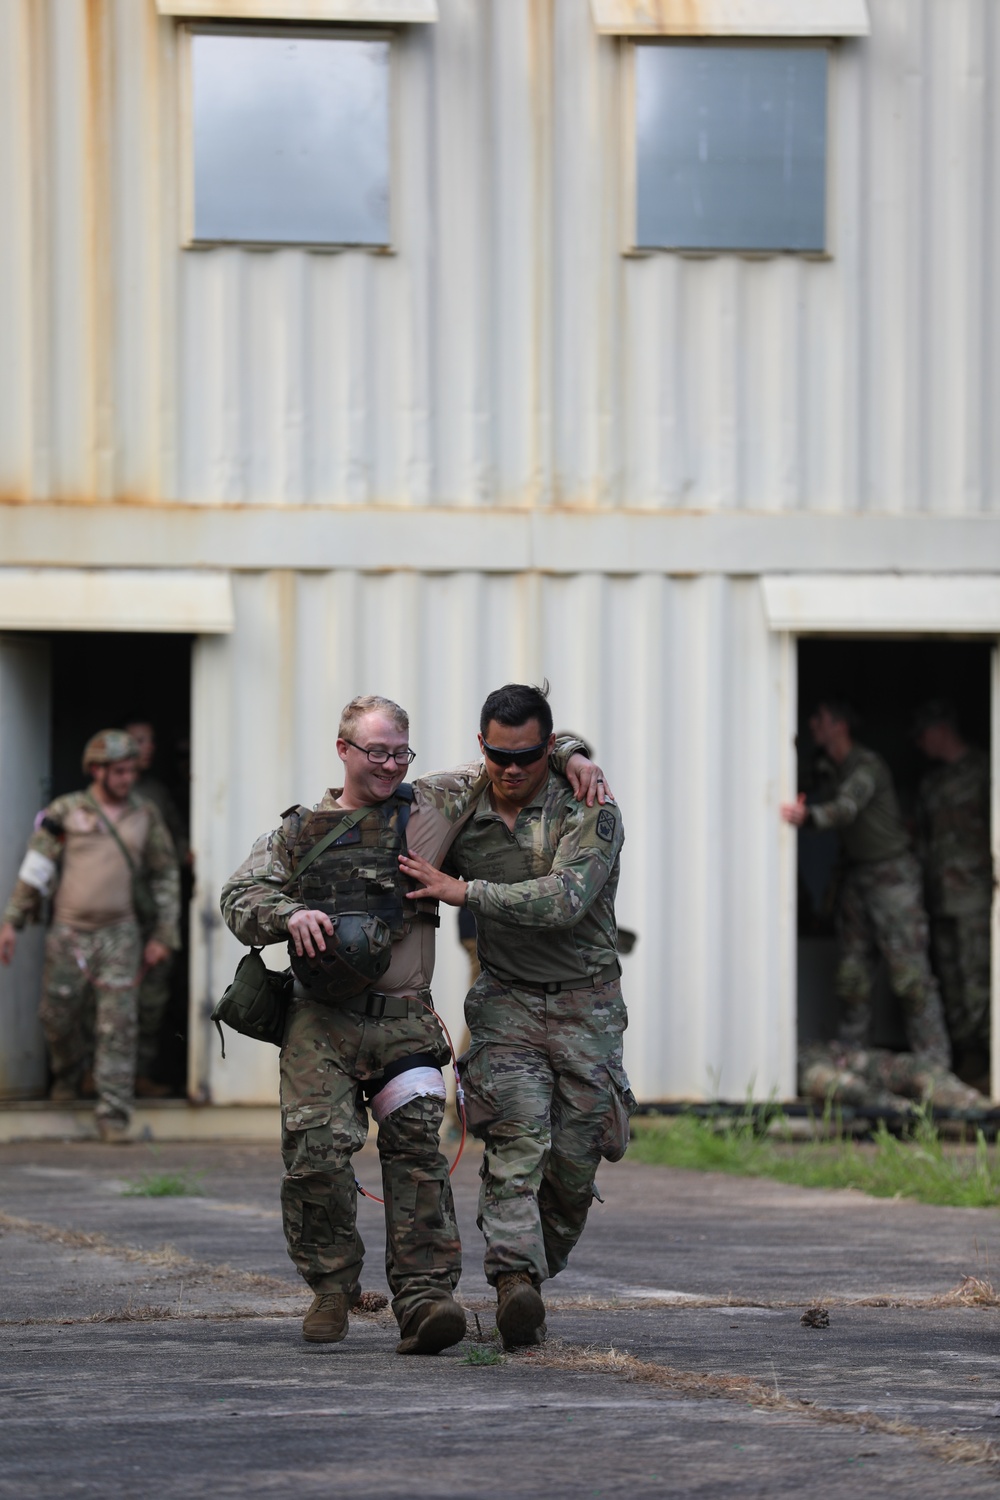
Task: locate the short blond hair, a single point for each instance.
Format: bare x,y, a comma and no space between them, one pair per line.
371,703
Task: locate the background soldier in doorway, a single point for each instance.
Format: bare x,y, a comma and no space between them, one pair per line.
86,849
154,988
880,908
953,841
544,1081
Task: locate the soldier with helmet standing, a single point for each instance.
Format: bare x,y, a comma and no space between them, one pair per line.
91,852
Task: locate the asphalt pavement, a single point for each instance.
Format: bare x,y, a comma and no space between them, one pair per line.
154,1345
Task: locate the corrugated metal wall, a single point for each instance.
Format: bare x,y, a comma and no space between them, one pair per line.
508,354
685,696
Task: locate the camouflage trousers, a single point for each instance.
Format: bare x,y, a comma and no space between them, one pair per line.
546,1091
82,968
960,948
328,1057
880,911
154,993
874,1078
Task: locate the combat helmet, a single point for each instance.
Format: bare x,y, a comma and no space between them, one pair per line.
358,954
108,746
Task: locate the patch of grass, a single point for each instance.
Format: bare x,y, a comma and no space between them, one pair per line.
916,1166
478,1354
165,1185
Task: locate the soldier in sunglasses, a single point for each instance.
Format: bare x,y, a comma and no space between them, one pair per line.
544,1082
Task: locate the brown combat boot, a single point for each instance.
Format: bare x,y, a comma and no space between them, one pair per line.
520,1310
326,1320
113,1130
63,1090
432,1326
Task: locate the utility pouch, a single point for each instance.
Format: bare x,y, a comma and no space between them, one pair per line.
256,1002
146,910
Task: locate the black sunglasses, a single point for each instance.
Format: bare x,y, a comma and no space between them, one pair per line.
525,757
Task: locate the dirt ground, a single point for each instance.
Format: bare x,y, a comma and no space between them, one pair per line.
155,1344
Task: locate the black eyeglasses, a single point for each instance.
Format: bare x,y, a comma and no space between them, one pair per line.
525,757
379,755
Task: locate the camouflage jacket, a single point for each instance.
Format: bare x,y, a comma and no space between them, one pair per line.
543,893
865,810
51,845
256,909
953,820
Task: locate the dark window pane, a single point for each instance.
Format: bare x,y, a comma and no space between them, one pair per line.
291,139
731,147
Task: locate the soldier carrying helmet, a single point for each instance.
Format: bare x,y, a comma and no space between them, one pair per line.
107,863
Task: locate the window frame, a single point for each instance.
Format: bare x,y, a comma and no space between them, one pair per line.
630,200
187,30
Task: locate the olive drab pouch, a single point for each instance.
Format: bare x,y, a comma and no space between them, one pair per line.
256,1002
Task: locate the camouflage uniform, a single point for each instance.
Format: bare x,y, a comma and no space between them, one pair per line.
880,908
334,1054
953,814
154,987
544,1081
87,958
874,1078
332,1058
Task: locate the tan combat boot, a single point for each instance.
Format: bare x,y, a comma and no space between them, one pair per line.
326,1320
520,1310
432,1326
112,1130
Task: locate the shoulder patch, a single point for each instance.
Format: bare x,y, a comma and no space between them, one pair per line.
606,824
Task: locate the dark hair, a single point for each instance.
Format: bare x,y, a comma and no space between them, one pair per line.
516,703
839,708
936,711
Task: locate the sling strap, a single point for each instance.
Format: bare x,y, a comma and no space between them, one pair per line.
114,834
336,832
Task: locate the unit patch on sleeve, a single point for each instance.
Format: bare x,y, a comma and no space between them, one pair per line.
606,825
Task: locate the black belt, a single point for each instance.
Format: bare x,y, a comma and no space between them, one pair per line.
376,1006
556,986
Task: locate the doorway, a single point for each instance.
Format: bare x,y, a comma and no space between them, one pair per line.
56,690
885,680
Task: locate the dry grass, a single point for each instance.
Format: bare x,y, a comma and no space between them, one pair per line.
745,1389
164,1257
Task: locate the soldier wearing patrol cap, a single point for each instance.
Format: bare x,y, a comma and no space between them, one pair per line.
361,1032
108,864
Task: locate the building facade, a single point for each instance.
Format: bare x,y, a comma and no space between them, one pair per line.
498,430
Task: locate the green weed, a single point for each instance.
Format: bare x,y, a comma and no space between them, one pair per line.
165,1185
478,1355
918,1165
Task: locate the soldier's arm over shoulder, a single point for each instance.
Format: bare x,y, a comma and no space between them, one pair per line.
853,796
254,906
588,846
164,875
38,874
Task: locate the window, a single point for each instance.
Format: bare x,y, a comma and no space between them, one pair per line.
290,138
730,146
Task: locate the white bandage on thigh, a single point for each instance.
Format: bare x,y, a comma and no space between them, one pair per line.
38,870
406,1086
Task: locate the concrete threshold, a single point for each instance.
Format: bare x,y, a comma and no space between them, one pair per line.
159,1120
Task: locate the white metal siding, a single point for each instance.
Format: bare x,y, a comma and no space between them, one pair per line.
677,682
508,354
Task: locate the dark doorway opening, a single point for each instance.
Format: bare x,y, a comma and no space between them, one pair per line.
103,681
885,681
